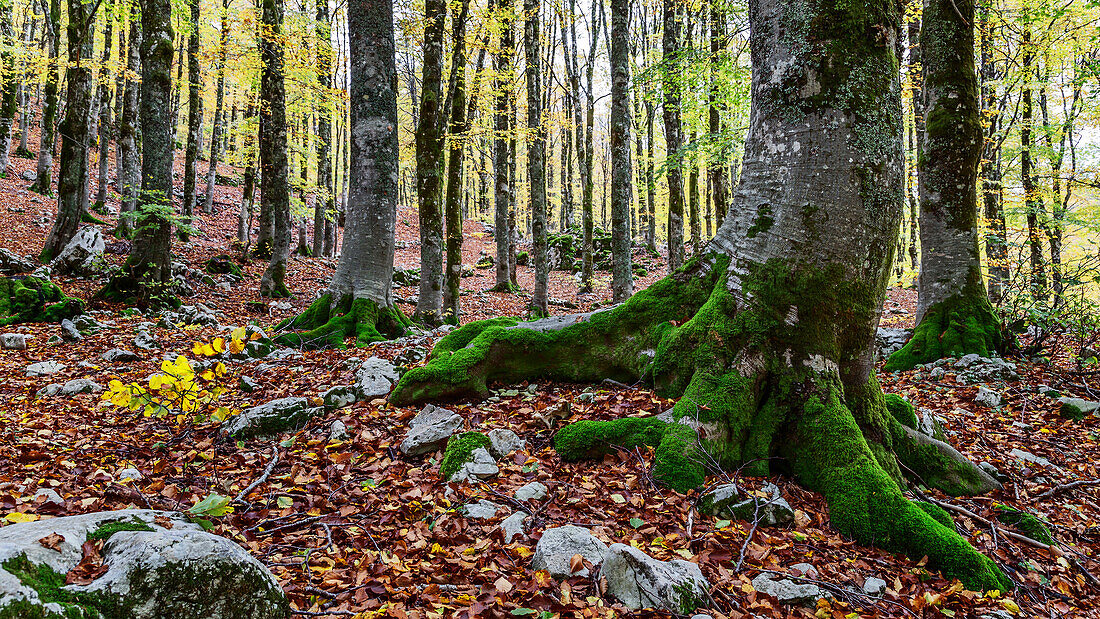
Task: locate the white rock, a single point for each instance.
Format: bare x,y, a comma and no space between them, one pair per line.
271,418
83,254
14,341
338,431
514,526
50,495
119,355
640,581
175,569
874,586
375,378
44,368
482,510
786,591
481,466
503,442
70,388
532,491
129,473
987,397
429,430
557,546
804,569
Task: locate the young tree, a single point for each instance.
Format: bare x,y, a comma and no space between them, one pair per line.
504,191
536,159
148,269
954,316
622,283
588,145
274,184
673,133
72,179
767,335
429,167
1033,200
459,130
47,134
128,165
104,103
218,135
716,170
359,301
325,204
194,120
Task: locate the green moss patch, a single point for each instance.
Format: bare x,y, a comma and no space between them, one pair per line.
937,513
959,326
328,324
29,299
48,584
460,450
107,529
1025,523
902,410
222,264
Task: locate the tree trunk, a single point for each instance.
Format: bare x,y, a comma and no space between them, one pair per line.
693,197
503,190
72,179
673,134
622,281
147,271
716,171
1033,201
459,130
359,301
194,121
248,189
128,170
26,113
912,31
104,114
767,336
954,316
429,167
650,180
10,82
325,203
217,137
587,264
274,181
536,160
47,130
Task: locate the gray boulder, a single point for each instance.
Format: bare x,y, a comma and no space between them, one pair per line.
49,495
514,526
14,341
83,254
145,340
271,418
532,491
874,586
640,581
987,397
429,430
482,510
339,397
888,341
557,546
375,378
726,501
44,368
119,355
480,466
158,565
503,442
14,264
70,388
70,332
338,431
786,591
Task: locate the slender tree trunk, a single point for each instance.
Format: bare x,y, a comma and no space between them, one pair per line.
9,82
954,316
716,170
248,185
917,138
1033,201
503,192
693,198
673,134
429,167
622,281
216,138
194,120
274,169
650,180
536,160
325,204
72,182
459,130
996,246
104,98
47,130
588,178
27,111
129,152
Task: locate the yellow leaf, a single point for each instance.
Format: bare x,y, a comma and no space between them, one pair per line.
20,517
1010,606
218,345
197,348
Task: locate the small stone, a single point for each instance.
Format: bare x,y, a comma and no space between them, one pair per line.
14,341
430,430
804,569
987,397
532,491
1027,456
271,418
482,510
339,397
145,341
993,471
248,385
129,473
874,586
503,442
375,378
338,431
937,373
44,368
786,591
513,526
640,581
481,466
70,332
119,355
49,495
557,546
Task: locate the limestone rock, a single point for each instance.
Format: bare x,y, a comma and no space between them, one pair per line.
640,581
888,341
503,442
1077,408
14,341
70,388
482,510
532,491
987,397
726,501
557,546
513,526
375,378
119,355
429,430
271,418
339,397
338,431
12,264
786,591
83,254
481,466
165,567
44,368
874,586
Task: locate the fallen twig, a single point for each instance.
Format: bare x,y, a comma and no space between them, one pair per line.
263,477
1067,487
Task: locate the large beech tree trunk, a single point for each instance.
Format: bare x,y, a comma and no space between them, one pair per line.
766,336
359,300
274,168
503,192
954,316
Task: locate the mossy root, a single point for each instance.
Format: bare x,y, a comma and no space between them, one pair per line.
959,326
327,324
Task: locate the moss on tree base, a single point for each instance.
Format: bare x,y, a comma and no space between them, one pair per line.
30,299
759,372
959,326
327,324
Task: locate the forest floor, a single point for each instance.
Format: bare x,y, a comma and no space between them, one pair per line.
353,528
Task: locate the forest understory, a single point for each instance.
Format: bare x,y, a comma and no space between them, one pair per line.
351,527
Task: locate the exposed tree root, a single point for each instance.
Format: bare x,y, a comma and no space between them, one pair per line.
328,324
760,374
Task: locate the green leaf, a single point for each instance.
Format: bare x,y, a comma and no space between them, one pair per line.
213,505
618,498
721,524
284,502
288,443
636,522
519,612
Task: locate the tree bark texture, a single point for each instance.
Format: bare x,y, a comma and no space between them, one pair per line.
274,168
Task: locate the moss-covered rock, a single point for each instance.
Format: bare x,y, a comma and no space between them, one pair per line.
1025,523
29,299
964,324
222,264
460,450
902,410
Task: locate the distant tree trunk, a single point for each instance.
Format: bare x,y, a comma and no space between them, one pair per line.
716,171
622,281
459,130
996,246
536,159
954,316
128,166
217,137
176,105
274,181
104,98
1055,229
587,214
359,300
194,121
47,131
693,197
503,193
10,82
650,180
325,204
912,32
72,180
1033,202
248,185
429,167
673,134
148,268
29,76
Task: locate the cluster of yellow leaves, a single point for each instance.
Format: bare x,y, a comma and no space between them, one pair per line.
177,388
